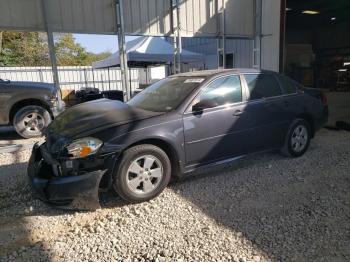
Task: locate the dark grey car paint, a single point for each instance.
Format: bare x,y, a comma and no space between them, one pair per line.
196,138
12,92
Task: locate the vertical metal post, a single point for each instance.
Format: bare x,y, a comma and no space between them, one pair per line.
1,33
85,78
122,48
51,44
109,80
221,34
282,35
258,34
177,40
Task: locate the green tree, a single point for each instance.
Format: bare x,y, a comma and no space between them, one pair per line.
23,49
70,53
31,49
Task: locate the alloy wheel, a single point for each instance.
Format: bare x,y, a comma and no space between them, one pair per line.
33,122
144,174
299,138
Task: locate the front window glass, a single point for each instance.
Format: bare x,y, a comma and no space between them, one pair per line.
262,86
224,90
166,94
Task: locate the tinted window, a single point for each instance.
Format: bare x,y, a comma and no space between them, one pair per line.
289,86
224,90
262,86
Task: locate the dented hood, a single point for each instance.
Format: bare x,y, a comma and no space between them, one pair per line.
97,114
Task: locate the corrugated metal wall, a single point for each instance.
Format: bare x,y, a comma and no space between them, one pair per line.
242,50
150,17
82,15
200,17
147,17
21,14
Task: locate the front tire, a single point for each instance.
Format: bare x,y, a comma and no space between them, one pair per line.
297,139
30,121
142,174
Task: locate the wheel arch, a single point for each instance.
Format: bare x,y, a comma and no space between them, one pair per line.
309,119
167,147
28,102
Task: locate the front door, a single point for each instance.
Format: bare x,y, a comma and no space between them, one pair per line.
218,132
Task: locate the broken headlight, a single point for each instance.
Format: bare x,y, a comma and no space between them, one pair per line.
83,147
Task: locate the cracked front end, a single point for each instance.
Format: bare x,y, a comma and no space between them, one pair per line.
67,181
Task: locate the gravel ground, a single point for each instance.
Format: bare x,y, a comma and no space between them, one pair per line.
262,208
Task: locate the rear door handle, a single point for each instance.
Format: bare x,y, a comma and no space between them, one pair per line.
237,113
286,103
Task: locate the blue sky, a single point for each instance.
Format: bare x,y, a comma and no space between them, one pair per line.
99,43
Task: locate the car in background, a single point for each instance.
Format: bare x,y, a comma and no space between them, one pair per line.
177,125
28,106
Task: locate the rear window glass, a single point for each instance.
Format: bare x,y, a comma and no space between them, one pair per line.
262,86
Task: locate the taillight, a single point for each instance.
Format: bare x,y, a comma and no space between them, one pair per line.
323,99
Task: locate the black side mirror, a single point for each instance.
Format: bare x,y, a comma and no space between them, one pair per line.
204,104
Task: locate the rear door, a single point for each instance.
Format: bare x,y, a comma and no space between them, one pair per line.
266,110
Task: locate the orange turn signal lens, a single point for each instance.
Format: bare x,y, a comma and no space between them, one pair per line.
85,151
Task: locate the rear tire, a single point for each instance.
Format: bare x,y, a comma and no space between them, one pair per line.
30,121
142,174
298,139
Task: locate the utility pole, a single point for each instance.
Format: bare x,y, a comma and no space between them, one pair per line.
122,48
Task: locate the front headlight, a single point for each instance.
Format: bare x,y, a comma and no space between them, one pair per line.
83,147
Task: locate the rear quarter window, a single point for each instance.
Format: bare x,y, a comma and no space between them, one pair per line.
288,85
262,86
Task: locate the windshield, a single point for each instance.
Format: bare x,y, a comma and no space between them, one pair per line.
166,94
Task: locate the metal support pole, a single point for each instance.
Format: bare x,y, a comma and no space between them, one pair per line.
177,40
51,44
1,41
122,48
257,55
223,34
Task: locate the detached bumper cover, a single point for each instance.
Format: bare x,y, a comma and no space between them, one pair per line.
77,192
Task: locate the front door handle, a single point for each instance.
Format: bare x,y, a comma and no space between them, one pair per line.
237,113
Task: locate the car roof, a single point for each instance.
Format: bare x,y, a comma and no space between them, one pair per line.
209,73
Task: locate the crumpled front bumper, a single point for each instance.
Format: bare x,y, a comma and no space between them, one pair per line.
72,192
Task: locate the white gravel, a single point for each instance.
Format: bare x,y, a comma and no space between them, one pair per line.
262,208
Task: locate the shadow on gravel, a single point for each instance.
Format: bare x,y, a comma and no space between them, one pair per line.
289,217
16,240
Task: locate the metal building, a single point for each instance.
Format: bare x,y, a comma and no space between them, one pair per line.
246,32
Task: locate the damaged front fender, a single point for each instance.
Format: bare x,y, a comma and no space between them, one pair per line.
69,192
